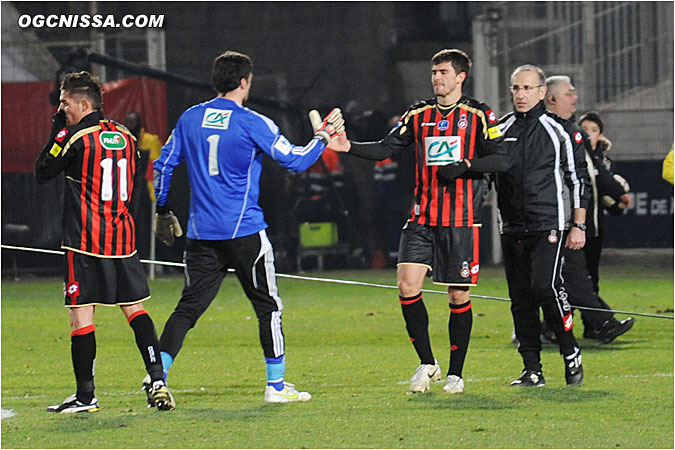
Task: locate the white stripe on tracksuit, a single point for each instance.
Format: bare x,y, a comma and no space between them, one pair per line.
267,253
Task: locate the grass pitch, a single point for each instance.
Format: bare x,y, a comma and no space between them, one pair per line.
346,345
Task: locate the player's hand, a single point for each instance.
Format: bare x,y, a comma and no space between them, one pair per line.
576,239
167,227
450,172
330,127
340,144
58,121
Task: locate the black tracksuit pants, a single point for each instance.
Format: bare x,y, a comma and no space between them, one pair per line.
579,286
532,263
207,263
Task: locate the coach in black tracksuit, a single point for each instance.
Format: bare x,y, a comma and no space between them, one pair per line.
541,198
580,269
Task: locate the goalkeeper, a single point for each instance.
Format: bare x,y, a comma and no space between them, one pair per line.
223,143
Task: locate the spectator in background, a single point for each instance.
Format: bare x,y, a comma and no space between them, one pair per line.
149,147
561,98
359,186
391,203
668,168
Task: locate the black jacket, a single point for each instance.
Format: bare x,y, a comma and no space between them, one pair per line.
548,177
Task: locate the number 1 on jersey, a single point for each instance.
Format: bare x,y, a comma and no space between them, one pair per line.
213,154
107,179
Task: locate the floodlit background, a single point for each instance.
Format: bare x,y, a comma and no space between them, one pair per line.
369,58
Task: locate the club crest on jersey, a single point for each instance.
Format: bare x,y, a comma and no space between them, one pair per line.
462,122
112,140
553,237
218,119
443,125
441,150
464,273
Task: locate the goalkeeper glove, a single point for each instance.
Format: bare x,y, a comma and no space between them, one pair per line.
58,121
450,172
331,126
166,226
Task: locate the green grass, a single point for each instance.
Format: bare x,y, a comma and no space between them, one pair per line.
347,345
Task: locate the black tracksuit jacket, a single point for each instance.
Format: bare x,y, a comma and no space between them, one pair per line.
548,178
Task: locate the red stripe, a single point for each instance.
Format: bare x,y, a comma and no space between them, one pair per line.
437,190
131,170
459,201
469,184
476,254
95,191
446,211
418,167
410,301
71,279
424,200
136,314
84,330
83,193
460,310
459,183
472,143
469,202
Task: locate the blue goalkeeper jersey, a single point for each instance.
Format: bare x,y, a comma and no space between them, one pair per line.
223,144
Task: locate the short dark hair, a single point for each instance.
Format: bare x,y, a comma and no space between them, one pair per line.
593,116
83,84
460,60
228,70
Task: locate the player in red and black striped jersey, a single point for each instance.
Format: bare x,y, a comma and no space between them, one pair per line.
99,159
456,141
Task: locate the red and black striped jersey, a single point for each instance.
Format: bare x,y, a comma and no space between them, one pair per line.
442,135
99,158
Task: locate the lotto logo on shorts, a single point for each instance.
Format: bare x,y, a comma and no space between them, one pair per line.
568,321
475,268
73,289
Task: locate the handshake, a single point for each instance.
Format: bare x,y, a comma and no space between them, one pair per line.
330,130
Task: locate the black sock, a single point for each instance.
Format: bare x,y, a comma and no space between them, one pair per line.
417,324
459,328
83,354
148,344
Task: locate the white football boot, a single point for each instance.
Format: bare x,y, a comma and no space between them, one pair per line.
424,375
454,385
286,395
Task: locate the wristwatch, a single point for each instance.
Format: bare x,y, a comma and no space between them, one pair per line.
581,226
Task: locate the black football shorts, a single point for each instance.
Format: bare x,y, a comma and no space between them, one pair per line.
451,253
90,280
